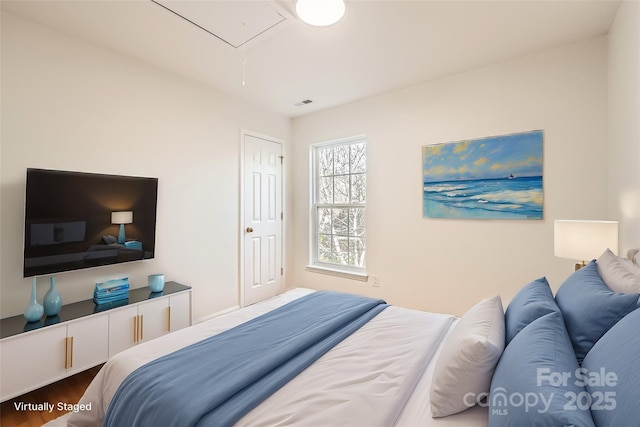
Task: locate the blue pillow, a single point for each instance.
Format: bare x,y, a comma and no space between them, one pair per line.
612,370
590,308
531,302
533,384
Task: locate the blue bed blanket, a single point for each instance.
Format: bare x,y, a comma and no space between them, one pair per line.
215,382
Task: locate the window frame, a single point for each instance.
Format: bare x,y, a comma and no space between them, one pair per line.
315,265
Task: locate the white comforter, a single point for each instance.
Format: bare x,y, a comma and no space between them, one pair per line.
369,379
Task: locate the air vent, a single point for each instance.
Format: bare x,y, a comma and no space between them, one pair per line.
301,103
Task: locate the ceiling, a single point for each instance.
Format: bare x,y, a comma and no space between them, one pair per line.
377,47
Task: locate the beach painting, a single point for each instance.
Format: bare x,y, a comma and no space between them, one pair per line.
498,177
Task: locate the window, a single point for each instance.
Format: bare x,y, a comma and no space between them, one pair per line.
338,205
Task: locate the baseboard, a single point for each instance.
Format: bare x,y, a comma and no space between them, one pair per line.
218,313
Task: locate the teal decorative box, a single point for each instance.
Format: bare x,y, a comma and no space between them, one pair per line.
133,244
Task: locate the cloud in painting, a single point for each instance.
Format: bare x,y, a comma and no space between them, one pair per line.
488,158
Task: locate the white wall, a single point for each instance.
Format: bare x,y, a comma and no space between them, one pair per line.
447,265
70,105
624,123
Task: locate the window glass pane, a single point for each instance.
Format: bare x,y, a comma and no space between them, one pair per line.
341,190
356,252
341,250
356,221
324,221
358,188
341,159
341,221
324,248
326,190
358,158
325,161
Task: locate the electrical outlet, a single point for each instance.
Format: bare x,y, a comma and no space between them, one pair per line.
375,281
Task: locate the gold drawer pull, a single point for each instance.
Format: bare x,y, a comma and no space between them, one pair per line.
66,352
71,356
135,329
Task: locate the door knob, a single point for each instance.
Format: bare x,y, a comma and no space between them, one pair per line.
249,230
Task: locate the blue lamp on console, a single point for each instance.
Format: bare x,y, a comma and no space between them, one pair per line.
122,218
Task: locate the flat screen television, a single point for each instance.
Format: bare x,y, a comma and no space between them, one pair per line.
76,220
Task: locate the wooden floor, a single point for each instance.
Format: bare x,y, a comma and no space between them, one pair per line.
68,390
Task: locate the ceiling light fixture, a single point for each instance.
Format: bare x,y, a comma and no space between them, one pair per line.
320,13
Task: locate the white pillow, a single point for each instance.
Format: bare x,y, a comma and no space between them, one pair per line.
618,273
469,356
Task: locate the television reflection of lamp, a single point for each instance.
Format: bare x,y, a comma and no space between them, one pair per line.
584,240
122,218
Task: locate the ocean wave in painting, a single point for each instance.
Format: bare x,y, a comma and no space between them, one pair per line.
514,198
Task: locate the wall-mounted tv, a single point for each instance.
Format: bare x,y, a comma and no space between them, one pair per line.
76,220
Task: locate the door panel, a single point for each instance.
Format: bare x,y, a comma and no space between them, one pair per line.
271,197
180,315
122,334
256,261
90,346
153,319
272,258
41,357
257,199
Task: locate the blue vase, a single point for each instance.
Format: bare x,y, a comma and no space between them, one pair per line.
33,311
52,300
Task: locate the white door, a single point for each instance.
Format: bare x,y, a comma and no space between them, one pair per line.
29,361
180,314
154,319
262,242
122,329
88,347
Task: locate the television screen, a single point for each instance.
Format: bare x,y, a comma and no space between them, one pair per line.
76,220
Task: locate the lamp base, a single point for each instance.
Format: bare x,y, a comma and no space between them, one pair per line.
579,265
121,236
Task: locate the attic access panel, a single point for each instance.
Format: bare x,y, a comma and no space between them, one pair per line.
233,22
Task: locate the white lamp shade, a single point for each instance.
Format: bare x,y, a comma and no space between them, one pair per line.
584,240
320,13
122,217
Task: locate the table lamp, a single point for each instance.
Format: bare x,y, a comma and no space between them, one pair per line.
122,218
584,240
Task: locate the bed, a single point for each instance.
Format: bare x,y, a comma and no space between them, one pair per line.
412,368
378,376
